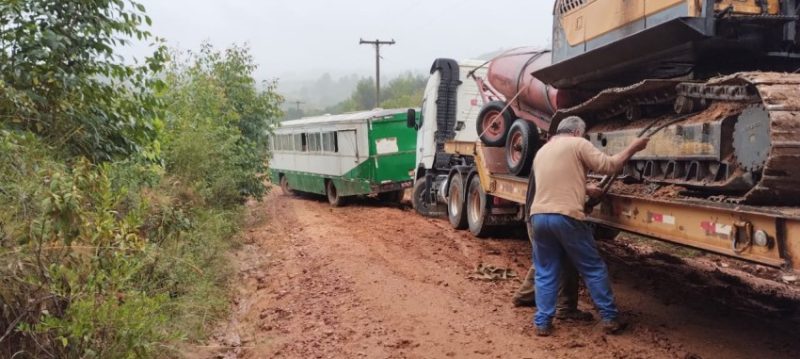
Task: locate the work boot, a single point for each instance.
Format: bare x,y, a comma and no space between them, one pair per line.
544,331
613,326
574,314
521,302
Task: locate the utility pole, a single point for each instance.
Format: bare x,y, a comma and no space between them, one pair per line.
298,103
377,43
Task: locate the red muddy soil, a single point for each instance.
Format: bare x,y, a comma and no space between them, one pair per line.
365,281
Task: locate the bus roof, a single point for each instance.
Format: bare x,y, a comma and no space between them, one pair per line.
345,117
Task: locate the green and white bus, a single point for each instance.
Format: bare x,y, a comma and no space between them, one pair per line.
360,153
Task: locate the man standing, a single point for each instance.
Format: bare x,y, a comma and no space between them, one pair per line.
560,168
568,290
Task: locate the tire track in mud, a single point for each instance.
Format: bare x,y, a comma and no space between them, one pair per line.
381,282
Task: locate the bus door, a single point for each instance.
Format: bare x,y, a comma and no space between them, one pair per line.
347,147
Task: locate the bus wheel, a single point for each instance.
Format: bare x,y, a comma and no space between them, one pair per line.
333,195
477,208
391,197
420,199
455,203
285,186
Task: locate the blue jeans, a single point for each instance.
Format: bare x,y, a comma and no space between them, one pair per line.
556,235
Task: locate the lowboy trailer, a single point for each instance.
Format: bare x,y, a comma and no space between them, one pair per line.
765,235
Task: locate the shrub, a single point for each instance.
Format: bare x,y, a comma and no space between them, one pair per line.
108,249
60,77
68,259
217,124
91,266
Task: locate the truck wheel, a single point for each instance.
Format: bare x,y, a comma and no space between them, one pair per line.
333,195
391,197
456,210
420,201
285,186
493,123
520,147
477,208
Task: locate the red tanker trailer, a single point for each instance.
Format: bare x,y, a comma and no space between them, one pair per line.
518,106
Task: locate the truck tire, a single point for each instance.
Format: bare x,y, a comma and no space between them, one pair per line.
478,208
523,140
285,186
391,197
493,132
333,195
419,199
456,209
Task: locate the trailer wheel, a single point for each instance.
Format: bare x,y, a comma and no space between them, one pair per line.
456,210
391,197
493,123
421,203
477,208
333,195
285,186
520,147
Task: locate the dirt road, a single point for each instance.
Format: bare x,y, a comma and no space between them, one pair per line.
382,282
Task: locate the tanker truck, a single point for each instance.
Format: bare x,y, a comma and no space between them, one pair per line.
718,76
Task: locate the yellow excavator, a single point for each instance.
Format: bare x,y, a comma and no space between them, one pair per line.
712,82
722,73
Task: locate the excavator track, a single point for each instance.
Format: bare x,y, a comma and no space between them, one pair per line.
780,96
761,165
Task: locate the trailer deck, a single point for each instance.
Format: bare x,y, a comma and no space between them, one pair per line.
764,235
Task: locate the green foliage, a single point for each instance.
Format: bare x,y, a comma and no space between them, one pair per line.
405,91
62,80
111,244
95,262
69,255
217,124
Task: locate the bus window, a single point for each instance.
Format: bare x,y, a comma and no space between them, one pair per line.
314,142
329,142
298,142
288,143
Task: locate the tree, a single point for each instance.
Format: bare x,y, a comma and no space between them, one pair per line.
218,121
62,80
404,91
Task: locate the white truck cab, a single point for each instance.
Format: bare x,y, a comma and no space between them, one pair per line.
450,107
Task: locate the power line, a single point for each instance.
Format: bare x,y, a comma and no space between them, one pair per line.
377,43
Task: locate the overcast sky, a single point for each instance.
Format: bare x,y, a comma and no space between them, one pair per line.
304,38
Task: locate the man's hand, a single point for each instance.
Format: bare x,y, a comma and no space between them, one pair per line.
639,144
593,191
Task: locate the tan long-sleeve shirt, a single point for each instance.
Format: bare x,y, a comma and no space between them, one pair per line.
560,168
